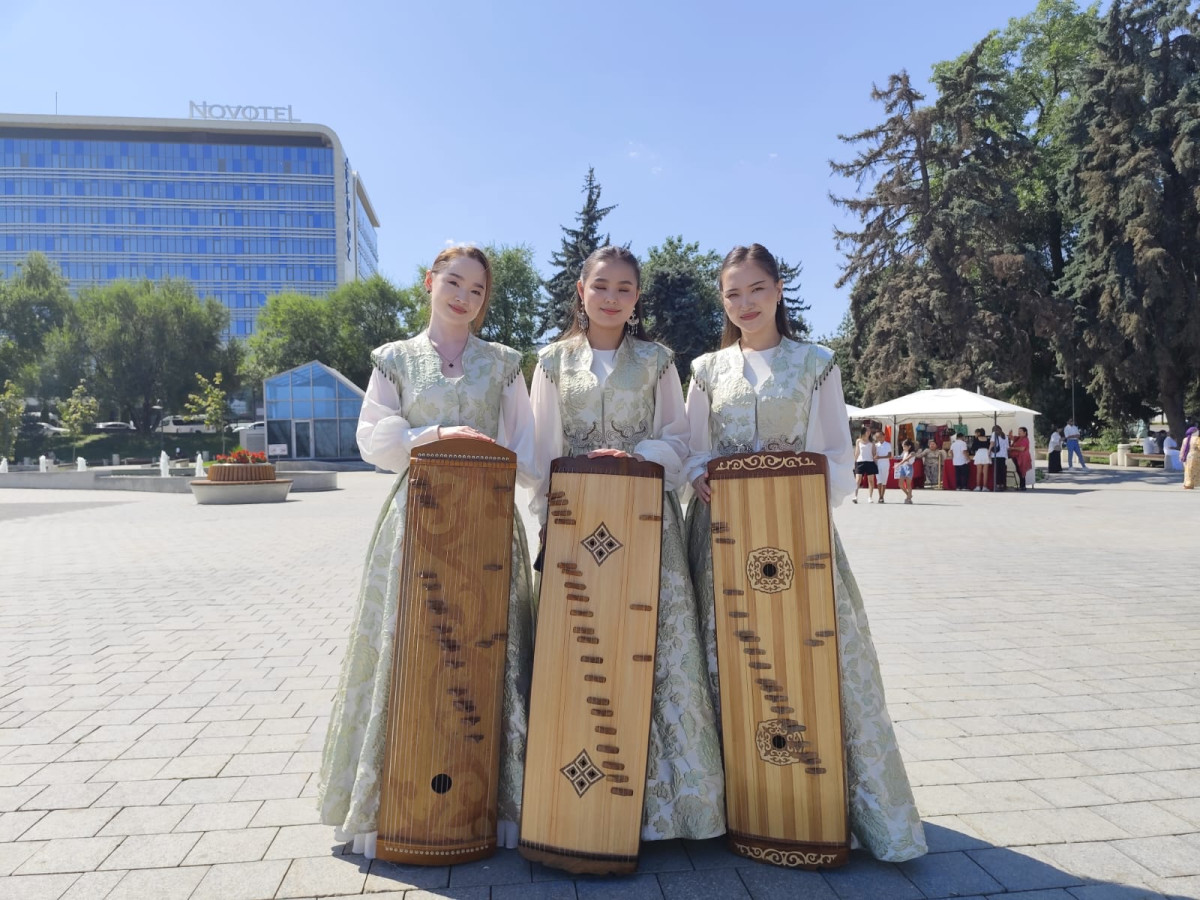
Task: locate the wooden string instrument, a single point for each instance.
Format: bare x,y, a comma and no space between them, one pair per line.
777,657
441,765
593,669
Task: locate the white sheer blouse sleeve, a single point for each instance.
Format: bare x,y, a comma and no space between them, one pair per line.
669,445
384,437
829,433
699,440
517,432
547,437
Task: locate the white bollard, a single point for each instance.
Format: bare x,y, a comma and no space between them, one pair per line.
4,466
43,463
80,464
164,465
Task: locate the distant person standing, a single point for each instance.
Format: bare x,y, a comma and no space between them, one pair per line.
961,462
904,468
1189,455
983,459
1071,436
865,468
999,450
883,458
1054,451
1022,458
933,456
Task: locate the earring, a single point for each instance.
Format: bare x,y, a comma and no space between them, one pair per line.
632,325
581,317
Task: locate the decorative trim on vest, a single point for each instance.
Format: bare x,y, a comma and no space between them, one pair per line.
383,362
829,367
665,363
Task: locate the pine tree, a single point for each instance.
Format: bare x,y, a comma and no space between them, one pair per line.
1134,186
680,300
944,291
577,245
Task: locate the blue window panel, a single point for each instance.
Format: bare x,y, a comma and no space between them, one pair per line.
323,385
302,409
350,409
302,381
278,389
325,409
279,409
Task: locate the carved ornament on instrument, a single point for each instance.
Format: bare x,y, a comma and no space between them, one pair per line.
601,544
793,859
765,462
582,773
770,570
781,743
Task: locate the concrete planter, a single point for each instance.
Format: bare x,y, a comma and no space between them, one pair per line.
228,492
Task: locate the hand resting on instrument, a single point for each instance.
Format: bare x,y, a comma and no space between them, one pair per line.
462,431
618,454
700,486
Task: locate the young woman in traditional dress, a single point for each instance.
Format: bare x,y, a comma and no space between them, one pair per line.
765,390
605,389
443,383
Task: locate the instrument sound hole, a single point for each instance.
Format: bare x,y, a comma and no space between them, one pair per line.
779,742
769,570
441,783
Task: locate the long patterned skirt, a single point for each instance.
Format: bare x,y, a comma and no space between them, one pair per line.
349,784
1191,468
883,813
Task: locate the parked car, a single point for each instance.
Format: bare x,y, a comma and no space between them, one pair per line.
239,427
40,429
114,426
182,425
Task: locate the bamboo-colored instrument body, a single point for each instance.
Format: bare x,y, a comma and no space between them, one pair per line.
593,668
777,657
441,766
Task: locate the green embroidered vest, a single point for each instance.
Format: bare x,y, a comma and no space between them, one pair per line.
619,415
427,397
778,413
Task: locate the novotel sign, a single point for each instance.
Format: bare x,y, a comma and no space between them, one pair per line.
206,110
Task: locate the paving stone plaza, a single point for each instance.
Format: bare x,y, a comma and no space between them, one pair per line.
165,671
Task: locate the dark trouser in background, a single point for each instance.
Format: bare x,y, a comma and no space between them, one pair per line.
962,477
1000,472
1055,457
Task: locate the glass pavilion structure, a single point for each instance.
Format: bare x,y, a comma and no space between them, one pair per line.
312,413
242,210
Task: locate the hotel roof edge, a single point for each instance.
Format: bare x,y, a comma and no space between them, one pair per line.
131,123
138,123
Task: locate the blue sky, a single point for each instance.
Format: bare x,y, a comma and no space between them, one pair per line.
473,121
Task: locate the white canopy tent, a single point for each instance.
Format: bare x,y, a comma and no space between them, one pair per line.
951,406
853,412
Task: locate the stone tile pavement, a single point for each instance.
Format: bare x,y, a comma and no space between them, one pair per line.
165,669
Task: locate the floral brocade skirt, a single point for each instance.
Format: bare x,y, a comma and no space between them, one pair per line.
883,813
351,764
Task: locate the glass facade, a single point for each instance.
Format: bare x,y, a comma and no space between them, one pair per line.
312,413
239,215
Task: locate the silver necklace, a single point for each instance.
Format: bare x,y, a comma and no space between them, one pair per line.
449,362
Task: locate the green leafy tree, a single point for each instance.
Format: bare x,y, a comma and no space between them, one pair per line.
78,412
577,245
210,403
517,297
1134,187
145,339
32,304
339,330
365,315
680,299
12,404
